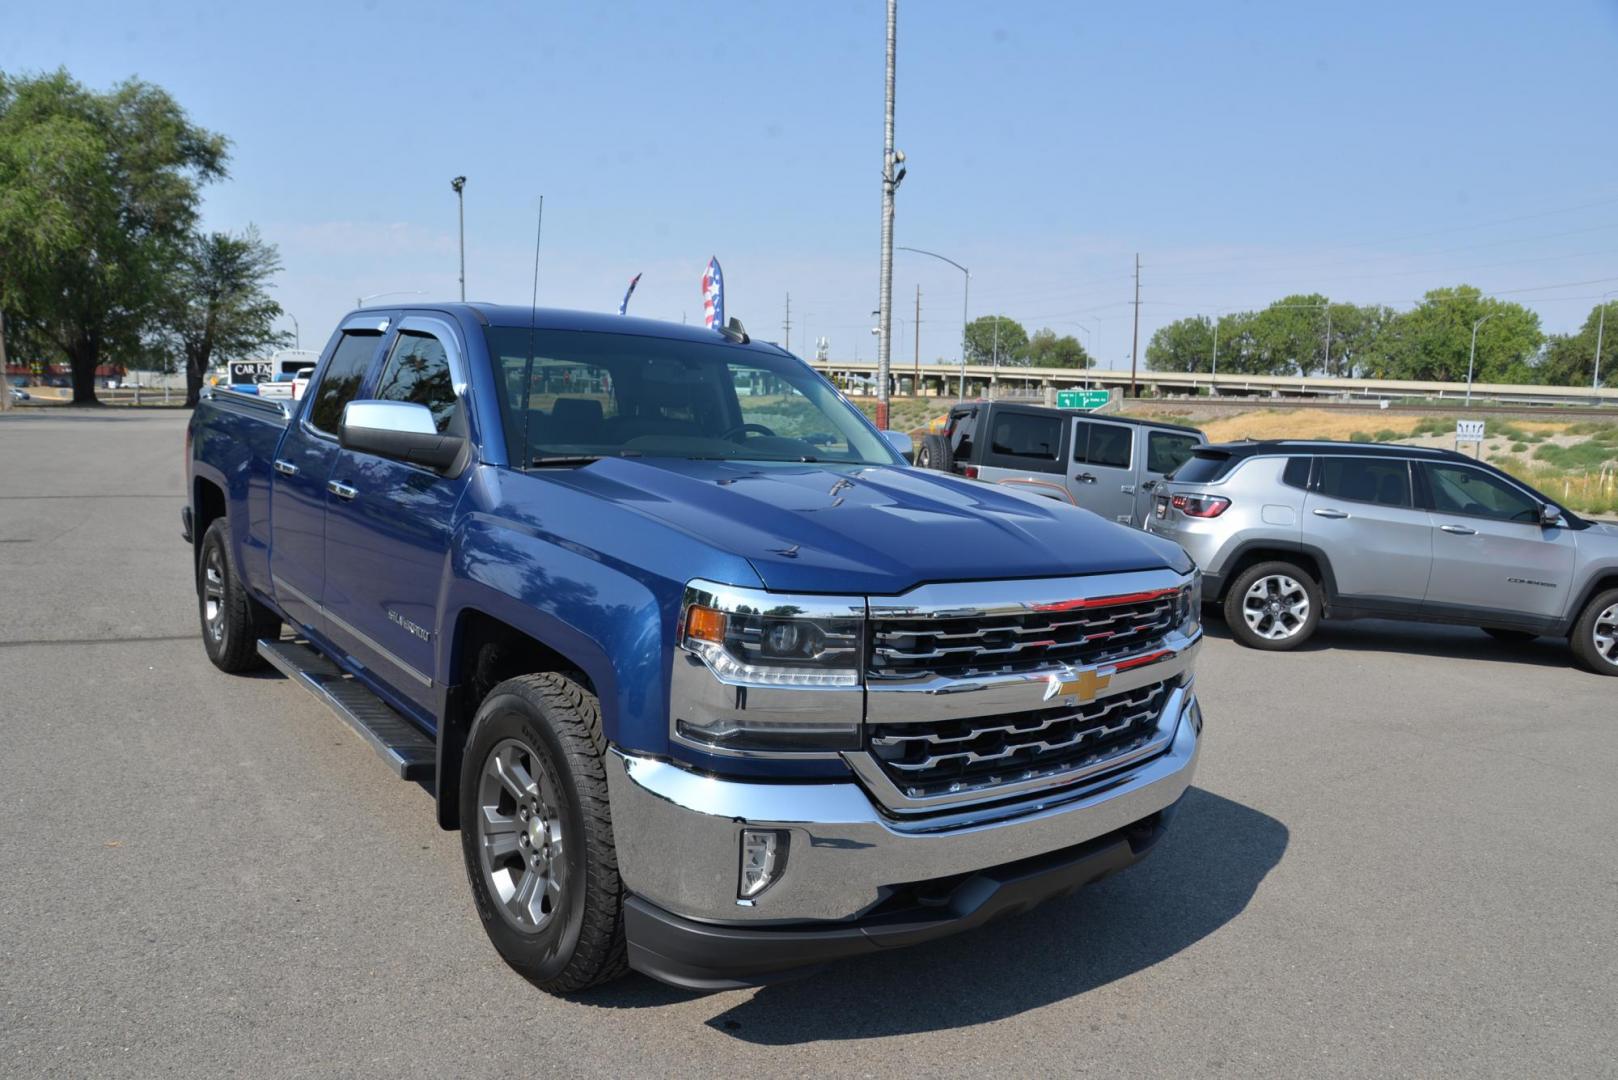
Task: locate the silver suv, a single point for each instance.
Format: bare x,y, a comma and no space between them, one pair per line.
1287,533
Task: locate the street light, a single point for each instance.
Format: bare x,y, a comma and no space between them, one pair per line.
1472,355
459,184
297,332
966,294
1601,325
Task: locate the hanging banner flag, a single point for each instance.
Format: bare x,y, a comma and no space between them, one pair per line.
713,296
624,305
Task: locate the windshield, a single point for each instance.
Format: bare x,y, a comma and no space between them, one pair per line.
582,394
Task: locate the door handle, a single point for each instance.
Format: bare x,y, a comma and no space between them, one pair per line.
1128,489
1327,512
1459,530
1085,478
285,467
342,491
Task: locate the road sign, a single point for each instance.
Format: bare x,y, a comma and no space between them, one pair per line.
1082,399
1468,431
251,371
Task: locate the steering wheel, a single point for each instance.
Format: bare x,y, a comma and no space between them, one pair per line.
743,429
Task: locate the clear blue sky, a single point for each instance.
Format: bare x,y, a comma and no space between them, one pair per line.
1370,151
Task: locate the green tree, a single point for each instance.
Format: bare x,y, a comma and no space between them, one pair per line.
1182,345
1432,340
217,307
984,344
1569,359
1290,335
98,193
1360,337
1046,349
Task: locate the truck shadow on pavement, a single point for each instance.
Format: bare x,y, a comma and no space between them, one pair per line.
1421,639
1200,876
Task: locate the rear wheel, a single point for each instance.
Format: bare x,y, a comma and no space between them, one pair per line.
1595,635
536,832
935,453
232,621
1511,637
1272,606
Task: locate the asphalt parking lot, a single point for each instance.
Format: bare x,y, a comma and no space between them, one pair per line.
1400,857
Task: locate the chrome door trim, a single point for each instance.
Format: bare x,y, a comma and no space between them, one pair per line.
285,467
343,491
359,635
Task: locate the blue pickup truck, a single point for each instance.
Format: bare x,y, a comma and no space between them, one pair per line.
713,684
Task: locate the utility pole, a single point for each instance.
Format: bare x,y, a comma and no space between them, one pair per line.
889,182
915,380
5,378
1595,380
786,326
1134,349
459,184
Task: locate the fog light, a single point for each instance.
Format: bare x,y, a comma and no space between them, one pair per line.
763,858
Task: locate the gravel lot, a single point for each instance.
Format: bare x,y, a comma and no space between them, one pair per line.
1400,858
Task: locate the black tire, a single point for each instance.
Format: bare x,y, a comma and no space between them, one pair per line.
578,940
1600,616
1510,637
1297,629
935,453
232,621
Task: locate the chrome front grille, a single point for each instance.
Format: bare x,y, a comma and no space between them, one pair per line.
1083,631
930,758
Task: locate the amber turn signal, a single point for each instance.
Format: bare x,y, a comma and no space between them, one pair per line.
705,624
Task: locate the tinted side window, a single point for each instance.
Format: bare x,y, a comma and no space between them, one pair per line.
960,433
1166,451
1457,489
1107,445
1202,468
418,372
1023,435
1383,481
1296,474
341,380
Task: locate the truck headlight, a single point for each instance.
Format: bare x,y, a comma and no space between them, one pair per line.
765,639
768,672
1191,605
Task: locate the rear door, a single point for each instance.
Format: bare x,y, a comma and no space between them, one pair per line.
1101,469
389,523
1016,443
1361,513
1490,552
1160,453
302,467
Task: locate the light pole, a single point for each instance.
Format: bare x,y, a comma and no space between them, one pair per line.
1601,325
459,185
966,295
890,184
1472,355
297,332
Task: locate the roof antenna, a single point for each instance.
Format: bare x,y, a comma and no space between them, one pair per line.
539,230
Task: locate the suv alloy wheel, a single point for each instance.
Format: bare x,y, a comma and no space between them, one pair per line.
1272,606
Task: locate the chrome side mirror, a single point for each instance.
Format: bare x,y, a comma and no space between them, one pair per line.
1550,516
902,444
401,430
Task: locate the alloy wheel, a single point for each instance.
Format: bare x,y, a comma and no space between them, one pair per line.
213,593
1276,607
520,835
1605,632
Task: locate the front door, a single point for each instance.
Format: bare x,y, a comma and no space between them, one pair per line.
388,525
302,468
1101,469
1490,551
1379,544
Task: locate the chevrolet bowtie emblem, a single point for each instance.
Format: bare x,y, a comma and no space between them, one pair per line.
1084,686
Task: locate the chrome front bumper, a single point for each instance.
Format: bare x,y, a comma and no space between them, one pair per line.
678,832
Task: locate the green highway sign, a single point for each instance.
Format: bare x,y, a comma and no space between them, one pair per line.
1081,399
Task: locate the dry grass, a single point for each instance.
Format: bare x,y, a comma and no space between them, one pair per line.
1303,424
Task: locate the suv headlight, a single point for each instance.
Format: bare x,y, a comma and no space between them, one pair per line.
1191,605
761,650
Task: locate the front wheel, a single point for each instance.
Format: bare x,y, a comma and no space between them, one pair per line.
1273,606
1595,635
536,833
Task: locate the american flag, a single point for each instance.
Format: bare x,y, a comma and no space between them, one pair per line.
713,295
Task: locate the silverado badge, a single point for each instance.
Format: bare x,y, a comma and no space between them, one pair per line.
1083,685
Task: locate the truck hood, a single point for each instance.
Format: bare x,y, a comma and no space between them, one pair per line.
868,529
